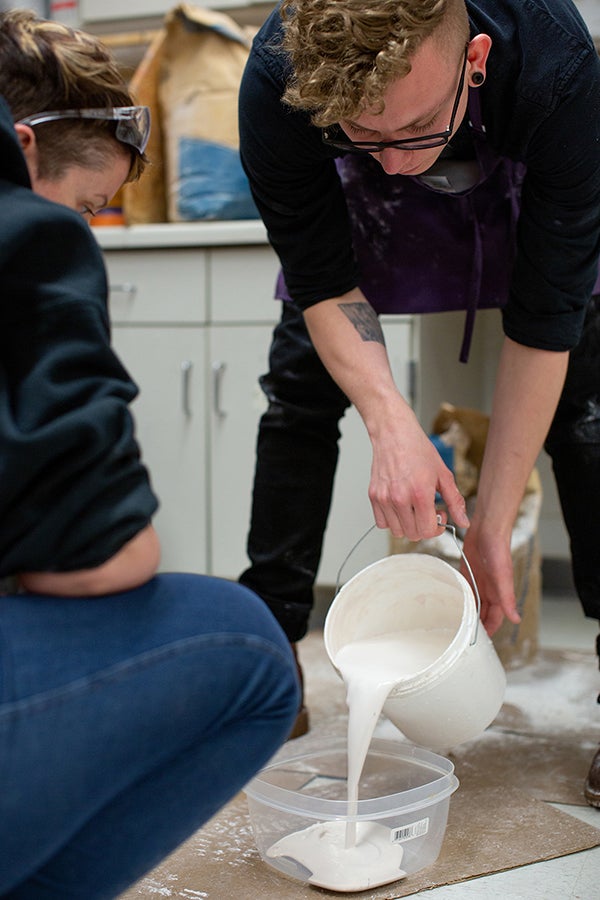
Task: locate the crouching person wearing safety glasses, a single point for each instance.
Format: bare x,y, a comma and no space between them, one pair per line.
133,705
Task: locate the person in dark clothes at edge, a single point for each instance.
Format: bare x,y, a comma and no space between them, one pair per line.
412,156
133,705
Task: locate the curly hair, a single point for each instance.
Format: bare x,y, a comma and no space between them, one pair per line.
45,65
345,53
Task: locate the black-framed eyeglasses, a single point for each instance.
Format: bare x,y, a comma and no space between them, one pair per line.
334,136
133,122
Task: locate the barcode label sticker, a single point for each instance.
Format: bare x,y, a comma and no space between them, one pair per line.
408,832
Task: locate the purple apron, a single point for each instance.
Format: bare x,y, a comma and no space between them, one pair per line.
422,247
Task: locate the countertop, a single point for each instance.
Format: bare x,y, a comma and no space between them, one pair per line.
189,234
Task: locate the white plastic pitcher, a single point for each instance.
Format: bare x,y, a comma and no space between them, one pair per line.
456,697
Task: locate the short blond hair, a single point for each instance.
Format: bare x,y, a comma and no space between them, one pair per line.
45,65
345,53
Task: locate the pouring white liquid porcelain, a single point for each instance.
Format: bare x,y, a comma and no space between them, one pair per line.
356,855
370,669
404,635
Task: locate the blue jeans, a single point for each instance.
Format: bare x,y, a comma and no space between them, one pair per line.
125,723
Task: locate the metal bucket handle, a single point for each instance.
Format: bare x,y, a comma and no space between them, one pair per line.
448,527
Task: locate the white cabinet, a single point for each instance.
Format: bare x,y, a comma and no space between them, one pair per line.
241,284
168,364
238,355
152,288
193,323
158,312
242,315
193,327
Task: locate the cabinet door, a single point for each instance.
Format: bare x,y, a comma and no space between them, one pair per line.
150,286
238,355
351,514
242,285
168,366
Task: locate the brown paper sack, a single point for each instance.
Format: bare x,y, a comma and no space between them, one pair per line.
145,201
190,78
466,431
203,58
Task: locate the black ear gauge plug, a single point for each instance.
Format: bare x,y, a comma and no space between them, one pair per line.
477,78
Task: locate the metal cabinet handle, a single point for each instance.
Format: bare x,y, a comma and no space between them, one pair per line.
218,370
186,373
412,382
127,288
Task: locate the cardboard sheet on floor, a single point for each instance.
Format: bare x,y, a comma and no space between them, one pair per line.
538,749
484,835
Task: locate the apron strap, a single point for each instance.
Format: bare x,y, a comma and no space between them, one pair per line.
474,289
476,123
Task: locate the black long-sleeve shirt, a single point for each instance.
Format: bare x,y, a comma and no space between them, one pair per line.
73,489
540,106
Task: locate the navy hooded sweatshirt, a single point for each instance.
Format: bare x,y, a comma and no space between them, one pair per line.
73,489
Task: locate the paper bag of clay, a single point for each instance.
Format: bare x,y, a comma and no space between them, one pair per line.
203,58
144,201
466,430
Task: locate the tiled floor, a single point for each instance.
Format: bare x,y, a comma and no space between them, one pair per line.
574,877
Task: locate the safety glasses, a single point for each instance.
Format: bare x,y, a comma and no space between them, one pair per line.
133,122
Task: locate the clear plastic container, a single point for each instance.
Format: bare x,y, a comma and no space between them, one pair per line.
406,796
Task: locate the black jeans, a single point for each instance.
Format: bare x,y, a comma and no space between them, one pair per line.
296,458
297,452
573,444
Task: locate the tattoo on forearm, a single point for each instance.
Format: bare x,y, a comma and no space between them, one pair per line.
364,319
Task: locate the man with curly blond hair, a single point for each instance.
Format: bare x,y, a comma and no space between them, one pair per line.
345,55
413,156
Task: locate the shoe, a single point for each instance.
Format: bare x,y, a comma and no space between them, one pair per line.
591,788
301,725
